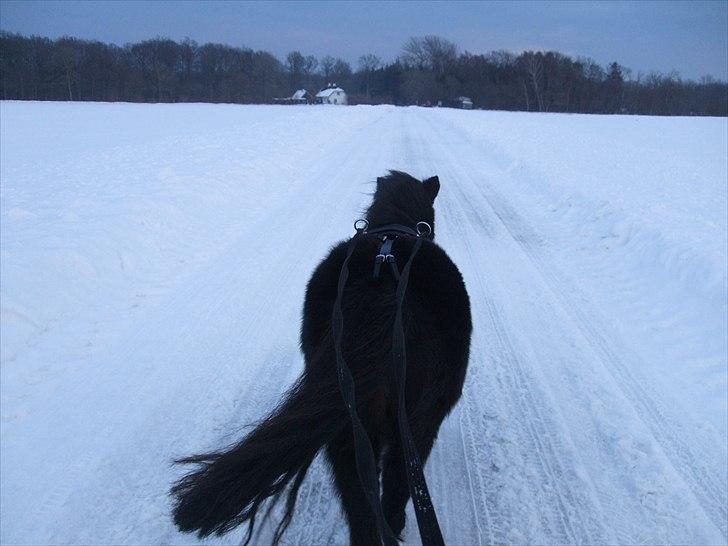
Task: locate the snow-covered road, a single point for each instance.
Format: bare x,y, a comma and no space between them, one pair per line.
154,259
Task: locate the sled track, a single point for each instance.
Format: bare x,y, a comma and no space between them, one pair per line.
708,488
317,503
540,434
466,435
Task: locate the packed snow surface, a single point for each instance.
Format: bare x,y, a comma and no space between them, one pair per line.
153,264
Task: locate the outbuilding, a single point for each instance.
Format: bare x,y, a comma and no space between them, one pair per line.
299,97
332,94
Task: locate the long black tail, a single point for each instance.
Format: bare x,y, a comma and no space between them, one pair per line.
229,486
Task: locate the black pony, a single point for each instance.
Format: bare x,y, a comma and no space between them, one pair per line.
229,486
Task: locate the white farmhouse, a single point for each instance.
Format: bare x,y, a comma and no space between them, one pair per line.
333,94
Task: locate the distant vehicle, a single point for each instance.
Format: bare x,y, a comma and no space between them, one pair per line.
332,94
465,103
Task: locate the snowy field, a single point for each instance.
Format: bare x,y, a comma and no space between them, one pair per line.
153,264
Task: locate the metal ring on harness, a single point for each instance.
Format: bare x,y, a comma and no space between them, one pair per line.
423,229
359,223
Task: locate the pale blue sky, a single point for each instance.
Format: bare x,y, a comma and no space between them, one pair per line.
691,37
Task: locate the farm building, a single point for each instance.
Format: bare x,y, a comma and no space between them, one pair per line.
333,94
299,97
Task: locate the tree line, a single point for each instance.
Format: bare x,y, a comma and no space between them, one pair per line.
428,71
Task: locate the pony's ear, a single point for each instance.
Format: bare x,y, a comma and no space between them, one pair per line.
380,179
432,186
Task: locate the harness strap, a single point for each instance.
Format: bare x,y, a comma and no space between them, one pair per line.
366,465
398,229
427,523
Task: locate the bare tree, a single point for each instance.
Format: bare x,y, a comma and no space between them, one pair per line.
309,65
430,53
295,63
532,64
502,58
340,72
368,64
188,52
414,54
327,65
68,57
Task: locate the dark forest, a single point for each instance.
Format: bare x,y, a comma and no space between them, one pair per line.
428,71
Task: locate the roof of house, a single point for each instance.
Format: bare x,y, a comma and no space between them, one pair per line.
324,93
300,94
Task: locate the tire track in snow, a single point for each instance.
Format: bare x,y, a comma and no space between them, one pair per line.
317,509
567,524
463,436
213,294
600,335
705,480
63,490
317,519
316,495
